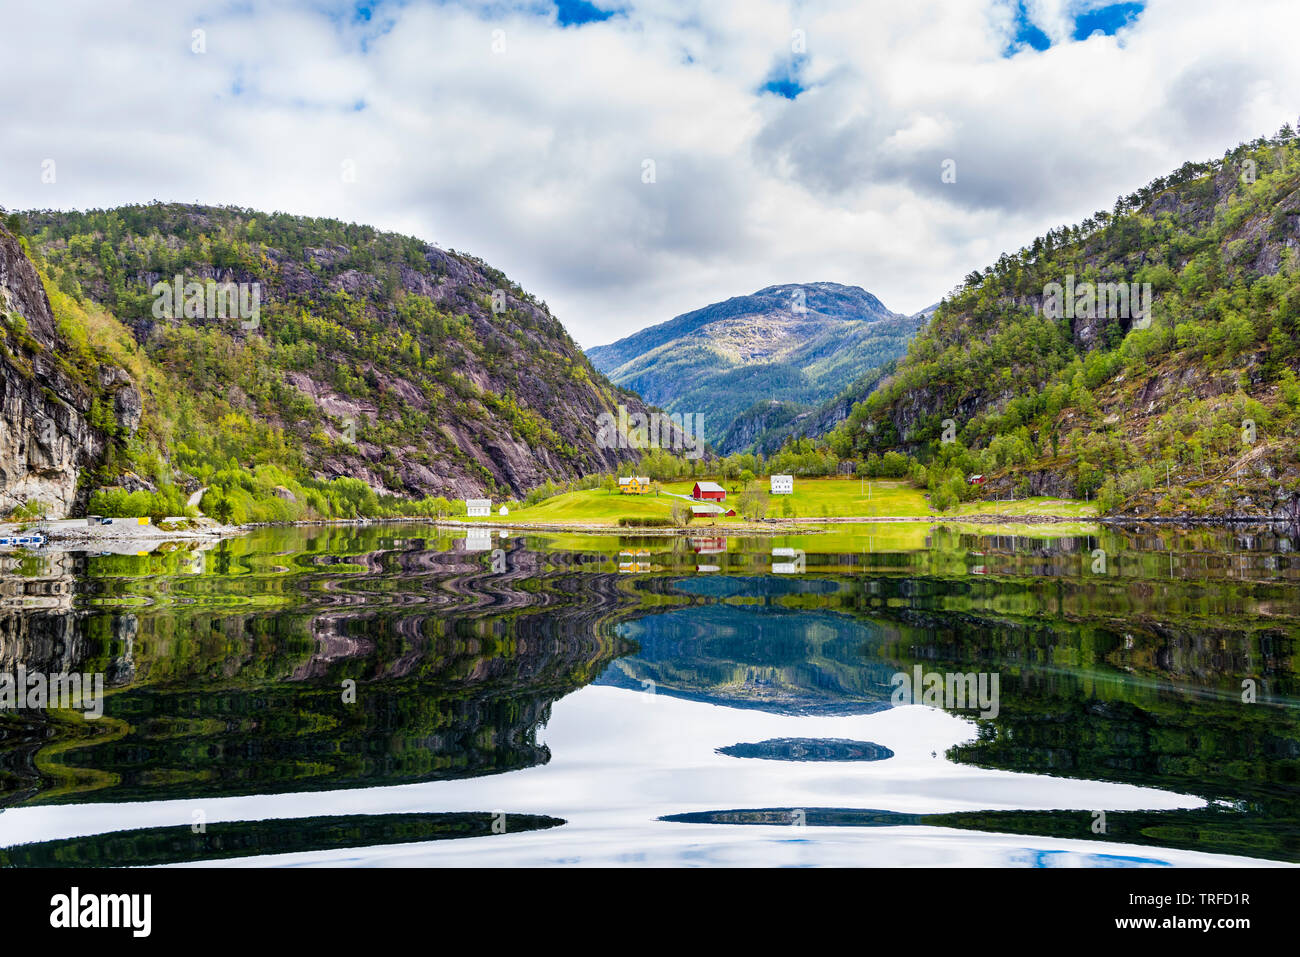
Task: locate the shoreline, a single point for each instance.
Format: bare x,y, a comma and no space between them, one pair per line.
77,535
80,536
785,526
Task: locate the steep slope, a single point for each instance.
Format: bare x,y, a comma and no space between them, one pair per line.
766,426
1192,408
49,396
798,344
372,356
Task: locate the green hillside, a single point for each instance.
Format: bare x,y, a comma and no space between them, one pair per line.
1191,410
378,365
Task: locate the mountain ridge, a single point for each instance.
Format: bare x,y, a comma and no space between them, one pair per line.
796,342
1190,410
375,357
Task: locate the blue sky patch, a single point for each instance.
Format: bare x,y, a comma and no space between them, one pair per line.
783,80
1026,33
1108,19
572,13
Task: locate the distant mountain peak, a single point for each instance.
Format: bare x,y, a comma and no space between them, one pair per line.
785,343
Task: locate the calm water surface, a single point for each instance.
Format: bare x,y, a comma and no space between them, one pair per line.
398,695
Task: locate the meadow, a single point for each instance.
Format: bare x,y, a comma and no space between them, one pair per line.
813,499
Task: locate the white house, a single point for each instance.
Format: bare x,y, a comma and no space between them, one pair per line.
503,511
478,507
795,567
782,484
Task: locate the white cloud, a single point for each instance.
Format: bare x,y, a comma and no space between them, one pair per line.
532,157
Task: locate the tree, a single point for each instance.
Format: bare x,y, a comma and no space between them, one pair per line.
752,504
221,509
681,513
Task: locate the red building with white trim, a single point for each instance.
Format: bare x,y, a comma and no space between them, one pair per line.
708,492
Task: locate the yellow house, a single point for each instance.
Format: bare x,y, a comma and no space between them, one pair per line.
634,485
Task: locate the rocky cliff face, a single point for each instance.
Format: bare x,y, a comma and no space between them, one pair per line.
45,436
419,370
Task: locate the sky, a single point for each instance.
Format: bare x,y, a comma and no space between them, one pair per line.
628,161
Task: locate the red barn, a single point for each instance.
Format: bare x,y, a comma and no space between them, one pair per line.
708,491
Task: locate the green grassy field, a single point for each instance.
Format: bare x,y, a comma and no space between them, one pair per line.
813,499
1059,507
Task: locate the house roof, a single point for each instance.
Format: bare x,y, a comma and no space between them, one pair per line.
775,477
710,487
707,509
478,503
641,479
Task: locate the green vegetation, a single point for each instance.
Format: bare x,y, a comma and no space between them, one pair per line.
813,499
374,356
28,511
1197,413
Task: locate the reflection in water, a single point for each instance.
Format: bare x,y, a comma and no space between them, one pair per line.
809,749
284,671
1213,829
349,660
174,845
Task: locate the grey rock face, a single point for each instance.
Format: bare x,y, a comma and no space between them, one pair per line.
45,436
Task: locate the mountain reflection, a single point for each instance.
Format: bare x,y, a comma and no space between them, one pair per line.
809,749
149,847
354,675
334,659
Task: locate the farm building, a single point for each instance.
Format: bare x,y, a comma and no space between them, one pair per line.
782,484
638,561
708,492
634,485
709,510
709,546
478,507
977,480
795,567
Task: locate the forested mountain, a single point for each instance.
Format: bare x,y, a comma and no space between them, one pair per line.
796,344
765,427
376,364
1192,408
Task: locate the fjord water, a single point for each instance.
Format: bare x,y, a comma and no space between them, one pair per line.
403,695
